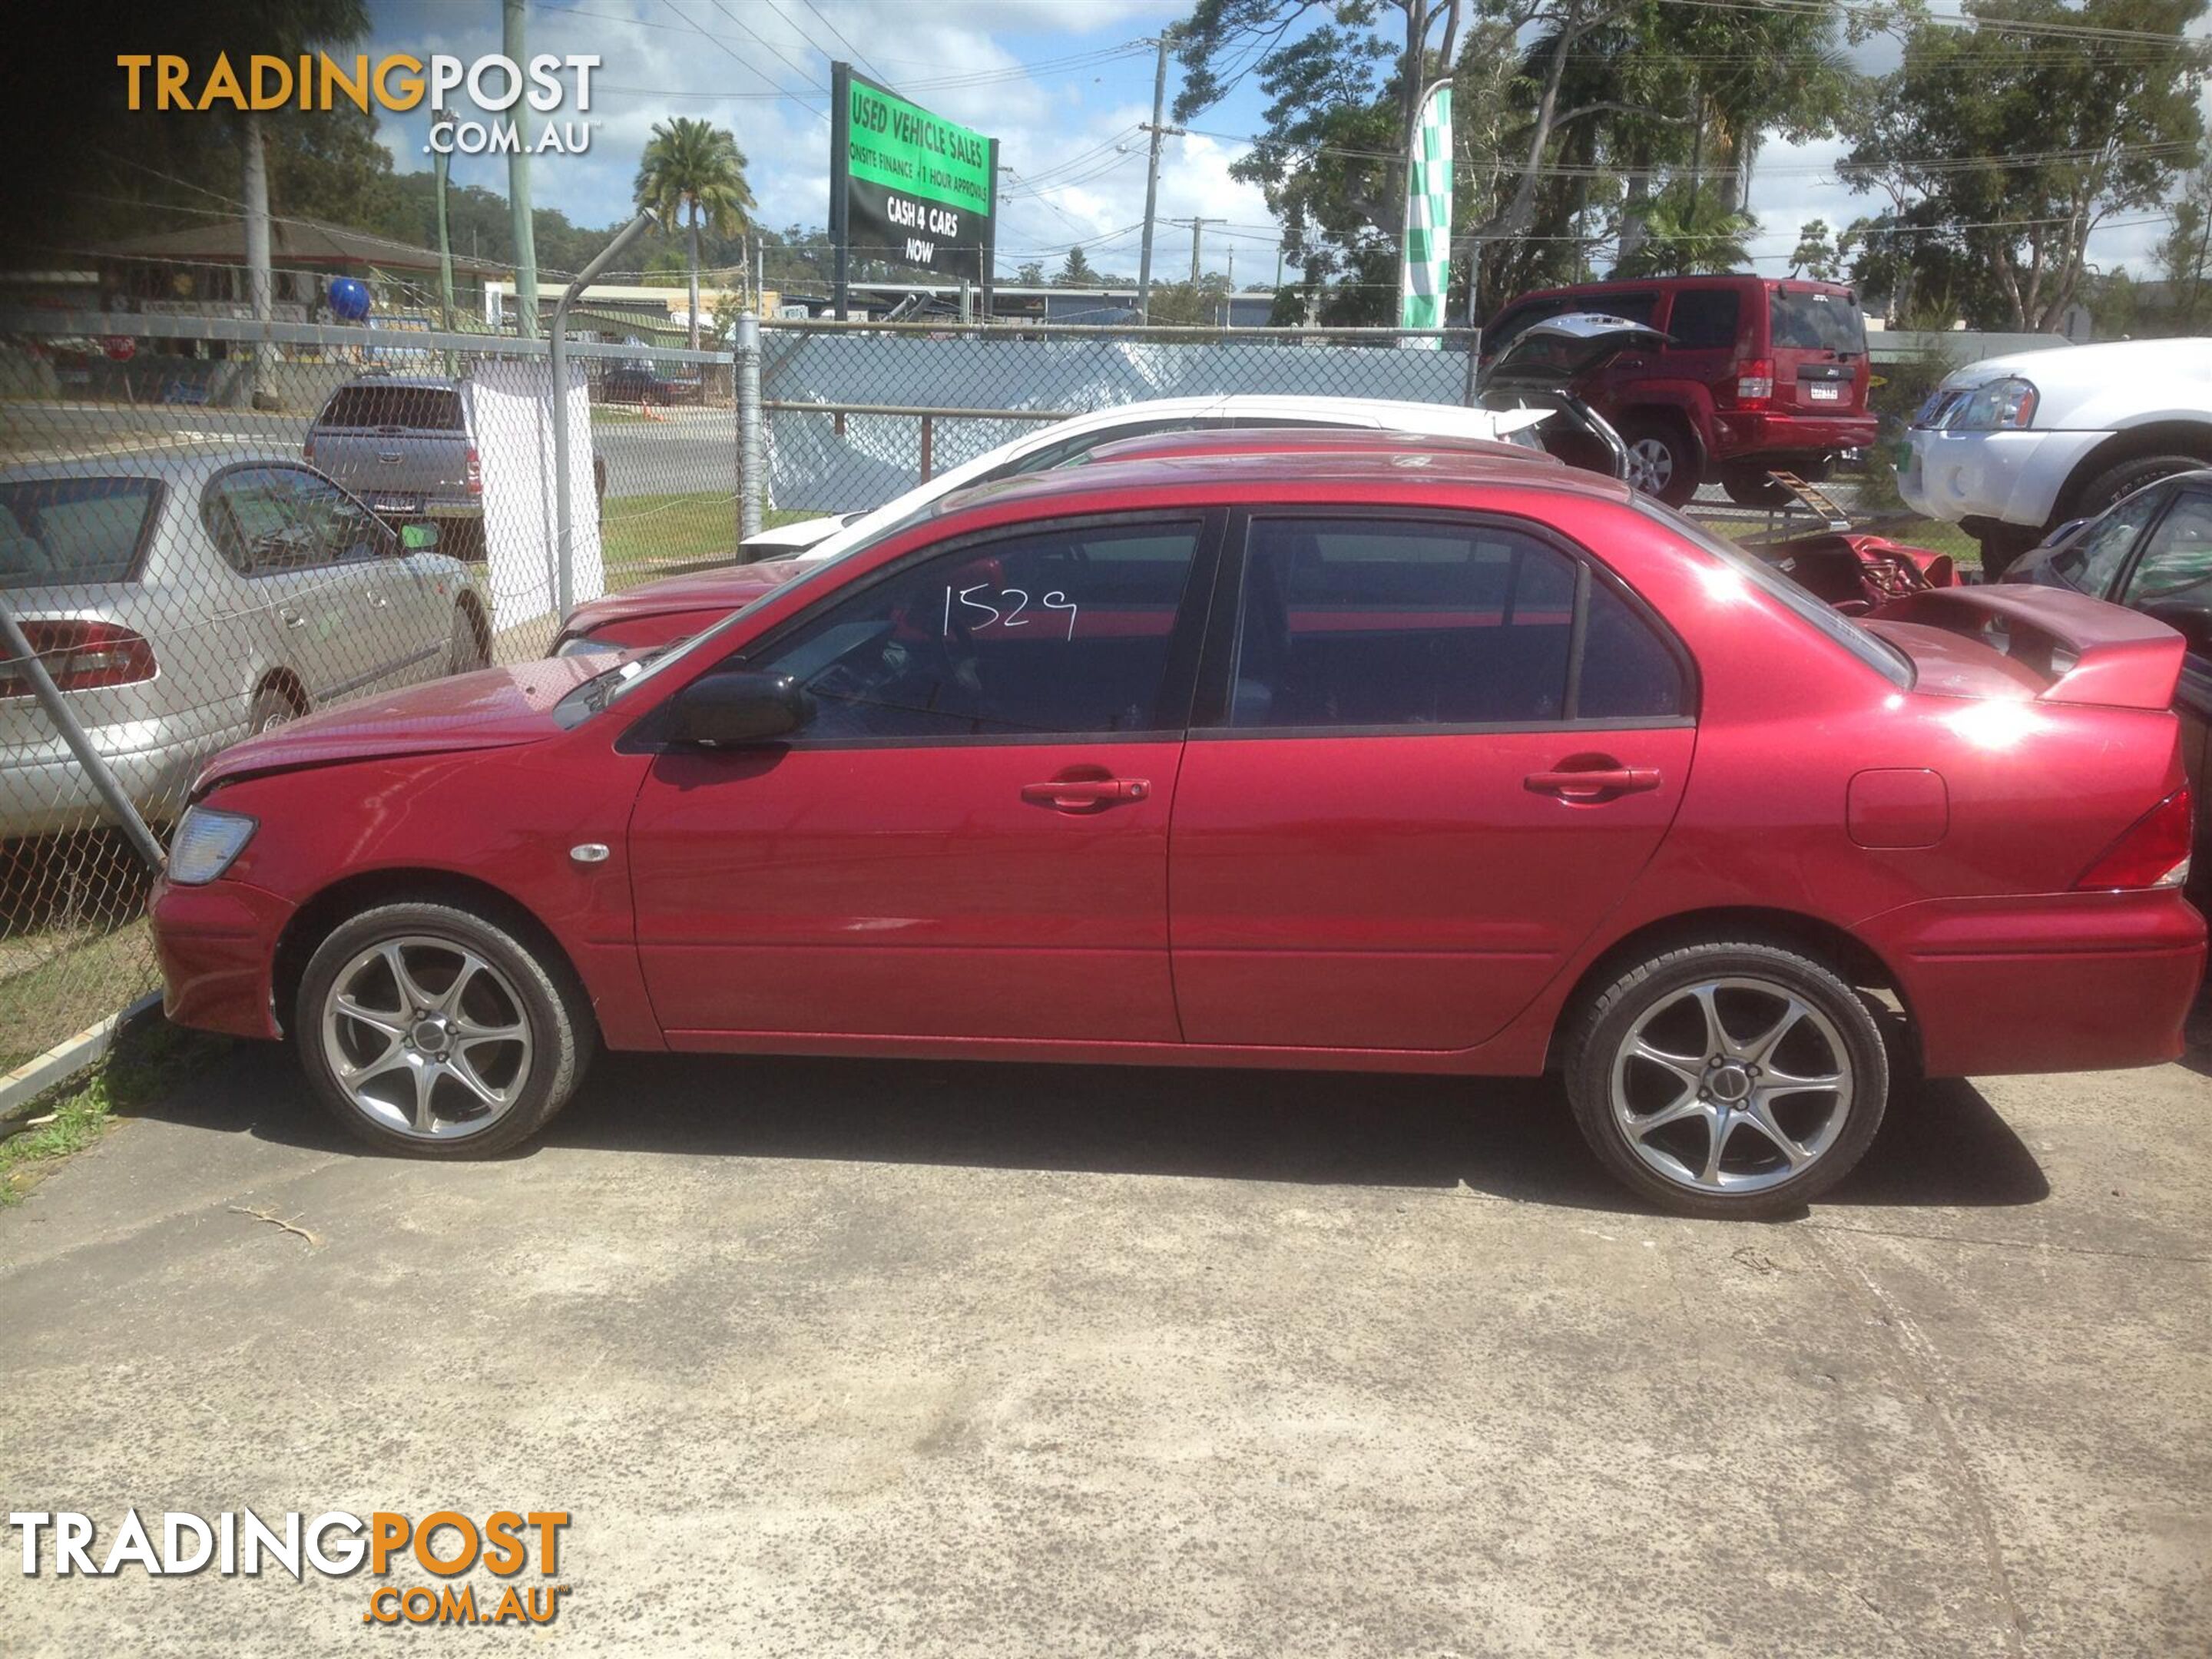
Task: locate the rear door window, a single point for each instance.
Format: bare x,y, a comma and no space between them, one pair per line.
1510,323
1366,623
428,409
1637,307
1807,320
73,530
1704,319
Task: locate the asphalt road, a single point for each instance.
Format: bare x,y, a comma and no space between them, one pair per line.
680,451
852,1359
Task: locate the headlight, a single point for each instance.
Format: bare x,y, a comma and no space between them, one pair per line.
205,844
2007,403
585,645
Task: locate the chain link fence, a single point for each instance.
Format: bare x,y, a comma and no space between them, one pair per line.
210,527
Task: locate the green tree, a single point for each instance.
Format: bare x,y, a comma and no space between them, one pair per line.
2009,151
1030,274
1690,233
1199,304
2184,257
693,170
1817,254
1077,272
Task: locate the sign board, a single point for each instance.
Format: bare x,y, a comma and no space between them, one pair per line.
906,186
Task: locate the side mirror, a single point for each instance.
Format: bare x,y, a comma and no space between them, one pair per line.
2192,620
740,707
419,537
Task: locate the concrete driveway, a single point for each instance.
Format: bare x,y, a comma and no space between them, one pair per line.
835,1357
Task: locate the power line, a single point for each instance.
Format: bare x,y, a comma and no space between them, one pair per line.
838,35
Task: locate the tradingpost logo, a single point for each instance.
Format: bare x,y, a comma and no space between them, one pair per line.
444,1544
397,82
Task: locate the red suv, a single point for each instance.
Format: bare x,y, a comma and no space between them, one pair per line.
1759,373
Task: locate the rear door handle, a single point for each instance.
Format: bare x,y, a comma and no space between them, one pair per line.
1086,794
293,619
1594,783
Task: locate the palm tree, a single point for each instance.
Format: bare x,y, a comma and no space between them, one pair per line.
1689,235
697,169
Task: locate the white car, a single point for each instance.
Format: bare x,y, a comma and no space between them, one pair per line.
2013,446
1056,444
1526,386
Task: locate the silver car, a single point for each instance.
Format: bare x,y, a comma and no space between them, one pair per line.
181,605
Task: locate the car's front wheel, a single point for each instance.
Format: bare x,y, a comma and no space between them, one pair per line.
434,1031
1730,1080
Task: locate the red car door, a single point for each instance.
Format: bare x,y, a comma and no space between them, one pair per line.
970,838
1431,757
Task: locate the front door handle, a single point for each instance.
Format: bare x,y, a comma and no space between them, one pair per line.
1594,783
1086,794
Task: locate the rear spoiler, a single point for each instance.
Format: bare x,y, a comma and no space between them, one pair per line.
2088,652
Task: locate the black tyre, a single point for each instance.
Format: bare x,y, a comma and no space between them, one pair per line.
2001,545
1754,489
272,706
1662,460
434,1032
1729,1081
2117,482
470,648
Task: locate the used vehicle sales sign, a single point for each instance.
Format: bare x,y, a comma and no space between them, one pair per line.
918,189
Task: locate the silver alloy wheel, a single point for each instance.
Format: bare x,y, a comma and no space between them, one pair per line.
1650,464
427,1038
1706,1108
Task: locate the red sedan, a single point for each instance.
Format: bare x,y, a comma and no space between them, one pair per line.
1476,767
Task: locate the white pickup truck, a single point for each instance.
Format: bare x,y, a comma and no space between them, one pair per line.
2013,446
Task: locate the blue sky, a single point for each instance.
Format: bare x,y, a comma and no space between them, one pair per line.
1068,129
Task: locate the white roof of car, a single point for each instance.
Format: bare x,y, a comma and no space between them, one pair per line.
1371,414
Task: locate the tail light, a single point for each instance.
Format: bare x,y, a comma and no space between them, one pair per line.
475,472
81,656
1753,387
307,450
2154,853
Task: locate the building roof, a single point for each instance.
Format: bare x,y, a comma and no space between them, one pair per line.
292,243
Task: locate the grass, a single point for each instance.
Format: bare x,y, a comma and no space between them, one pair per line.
146,1063
85,979
642,536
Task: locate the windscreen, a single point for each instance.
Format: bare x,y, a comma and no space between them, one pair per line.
55,531
423,408
1806,320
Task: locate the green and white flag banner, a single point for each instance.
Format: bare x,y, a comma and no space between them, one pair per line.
1427,268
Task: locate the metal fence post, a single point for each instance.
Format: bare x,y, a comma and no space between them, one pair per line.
564,527
80,744
752,447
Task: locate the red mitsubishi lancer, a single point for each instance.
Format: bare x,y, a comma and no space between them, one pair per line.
1472,766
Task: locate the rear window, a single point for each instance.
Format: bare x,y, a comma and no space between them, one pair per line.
420,407
1876,654
55,531
1805,319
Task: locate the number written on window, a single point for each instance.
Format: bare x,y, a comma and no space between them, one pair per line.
1002,608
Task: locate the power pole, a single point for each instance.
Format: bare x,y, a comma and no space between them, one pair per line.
1153,175
1197,235
518,184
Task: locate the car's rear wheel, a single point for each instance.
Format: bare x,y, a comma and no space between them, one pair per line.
1754,489
1662,460
1730,1080
436,1032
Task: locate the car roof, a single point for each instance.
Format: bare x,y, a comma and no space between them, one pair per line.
1245,476
1311,441
1406,413
427,382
